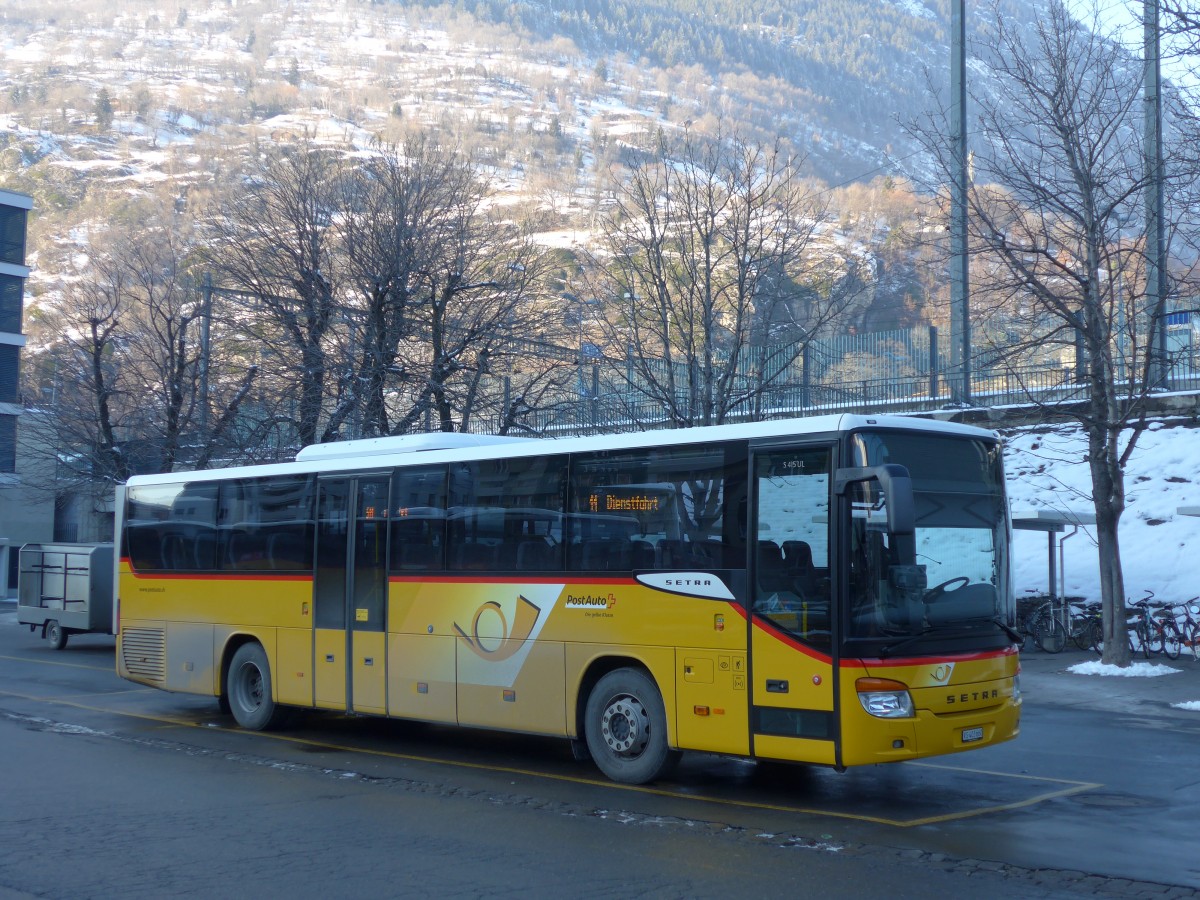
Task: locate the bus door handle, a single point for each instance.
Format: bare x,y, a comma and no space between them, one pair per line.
777,686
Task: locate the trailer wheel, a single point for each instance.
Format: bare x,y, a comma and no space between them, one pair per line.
249,690
55,634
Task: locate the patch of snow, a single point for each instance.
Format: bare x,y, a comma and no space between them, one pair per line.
1134,670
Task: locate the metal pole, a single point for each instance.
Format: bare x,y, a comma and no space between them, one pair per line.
805,376
933,362
1121,325
960,307
1156,250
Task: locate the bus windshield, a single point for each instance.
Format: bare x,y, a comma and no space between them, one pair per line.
962,589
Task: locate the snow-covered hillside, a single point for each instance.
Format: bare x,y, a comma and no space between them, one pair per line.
1047,469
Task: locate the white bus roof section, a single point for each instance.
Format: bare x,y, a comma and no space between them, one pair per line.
405,443
443,447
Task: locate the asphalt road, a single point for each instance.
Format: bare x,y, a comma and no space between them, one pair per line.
112,790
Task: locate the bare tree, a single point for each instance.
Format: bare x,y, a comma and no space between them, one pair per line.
442,290
119,383
77,381
702,271
1059,174
275,248
481,304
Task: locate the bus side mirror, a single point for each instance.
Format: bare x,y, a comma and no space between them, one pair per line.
896,485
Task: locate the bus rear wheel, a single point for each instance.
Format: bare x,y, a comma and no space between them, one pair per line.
248,687
625,724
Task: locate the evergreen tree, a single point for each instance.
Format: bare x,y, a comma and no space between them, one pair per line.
103,110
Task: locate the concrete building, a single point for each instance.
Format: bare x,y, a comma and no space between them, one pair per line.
23,518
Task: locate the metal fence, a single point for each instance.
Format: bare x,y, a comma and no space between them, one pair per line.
895,371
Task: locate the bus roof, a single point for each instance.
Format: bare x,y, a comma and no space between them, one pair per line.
433,448
405,443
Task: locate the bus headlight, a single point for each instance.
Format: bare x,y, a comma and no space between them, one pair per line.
884,698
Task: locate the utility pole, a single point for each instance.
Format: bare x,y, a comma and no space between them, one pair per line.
1156,248
960,292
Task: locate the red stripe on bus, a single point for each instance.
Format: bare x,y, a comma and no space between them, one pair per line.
219,576
791,641
941,658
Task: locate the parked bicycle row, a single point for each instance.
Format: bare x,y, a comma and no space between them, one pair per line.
1169,629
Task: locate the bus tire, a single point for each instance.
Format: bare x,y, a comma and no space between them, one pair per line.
625,724
56,634
249,690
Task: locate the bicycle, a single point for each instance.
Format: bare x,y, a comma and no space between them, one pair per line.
1146,632
1165,637
1158,631
1040,624
1188,625
1087,625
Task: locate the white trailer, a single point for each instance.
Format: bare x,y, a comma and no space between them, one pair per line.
66,589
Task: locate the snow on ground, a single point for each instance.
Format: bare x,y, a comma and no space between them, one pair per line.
1047,469
1134,670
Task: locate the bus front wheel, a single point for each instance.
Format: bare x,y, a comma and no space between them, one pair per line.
249,690
626,728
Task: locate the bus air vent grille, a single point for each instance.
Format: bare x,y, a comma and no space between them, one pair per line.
144,652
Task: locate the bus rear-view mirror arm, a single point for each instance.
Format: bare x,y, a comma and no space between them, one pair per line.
907,578
896,484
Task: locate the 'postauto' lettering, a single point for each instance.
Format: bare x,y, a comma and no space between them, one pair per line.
590,601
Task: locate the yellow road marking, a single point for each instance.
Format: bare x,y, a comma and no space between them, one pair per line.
65,665
1070,787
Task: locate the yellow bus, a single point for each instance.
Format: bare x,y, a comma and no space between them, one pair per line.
832,590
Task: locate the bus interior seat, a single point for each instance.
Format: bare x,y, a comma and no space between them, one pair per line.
535,556
672,554
474,557
603,555
174,553
420,557
204,550
772,575
247,550
286,551
641,555
797,557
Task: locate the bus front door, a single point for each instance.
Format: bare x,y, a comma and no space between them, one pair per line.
349,594
792,683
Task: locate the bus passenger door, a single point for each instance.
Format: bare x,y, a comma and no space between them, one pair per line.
350,594
791,660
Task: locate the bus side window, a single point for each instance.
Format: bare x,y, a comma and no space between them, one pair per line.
793,500
498,505
418,519
664,508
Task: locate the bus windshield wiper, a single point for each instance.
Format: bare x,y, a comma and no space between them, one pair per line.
1009,630
943,632
912,639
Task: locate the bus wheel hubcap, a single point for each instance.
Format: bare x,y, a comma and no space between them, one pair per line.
252,687
625,726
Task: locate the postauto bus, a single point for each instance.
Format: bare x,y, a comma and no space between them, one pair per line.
830,590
